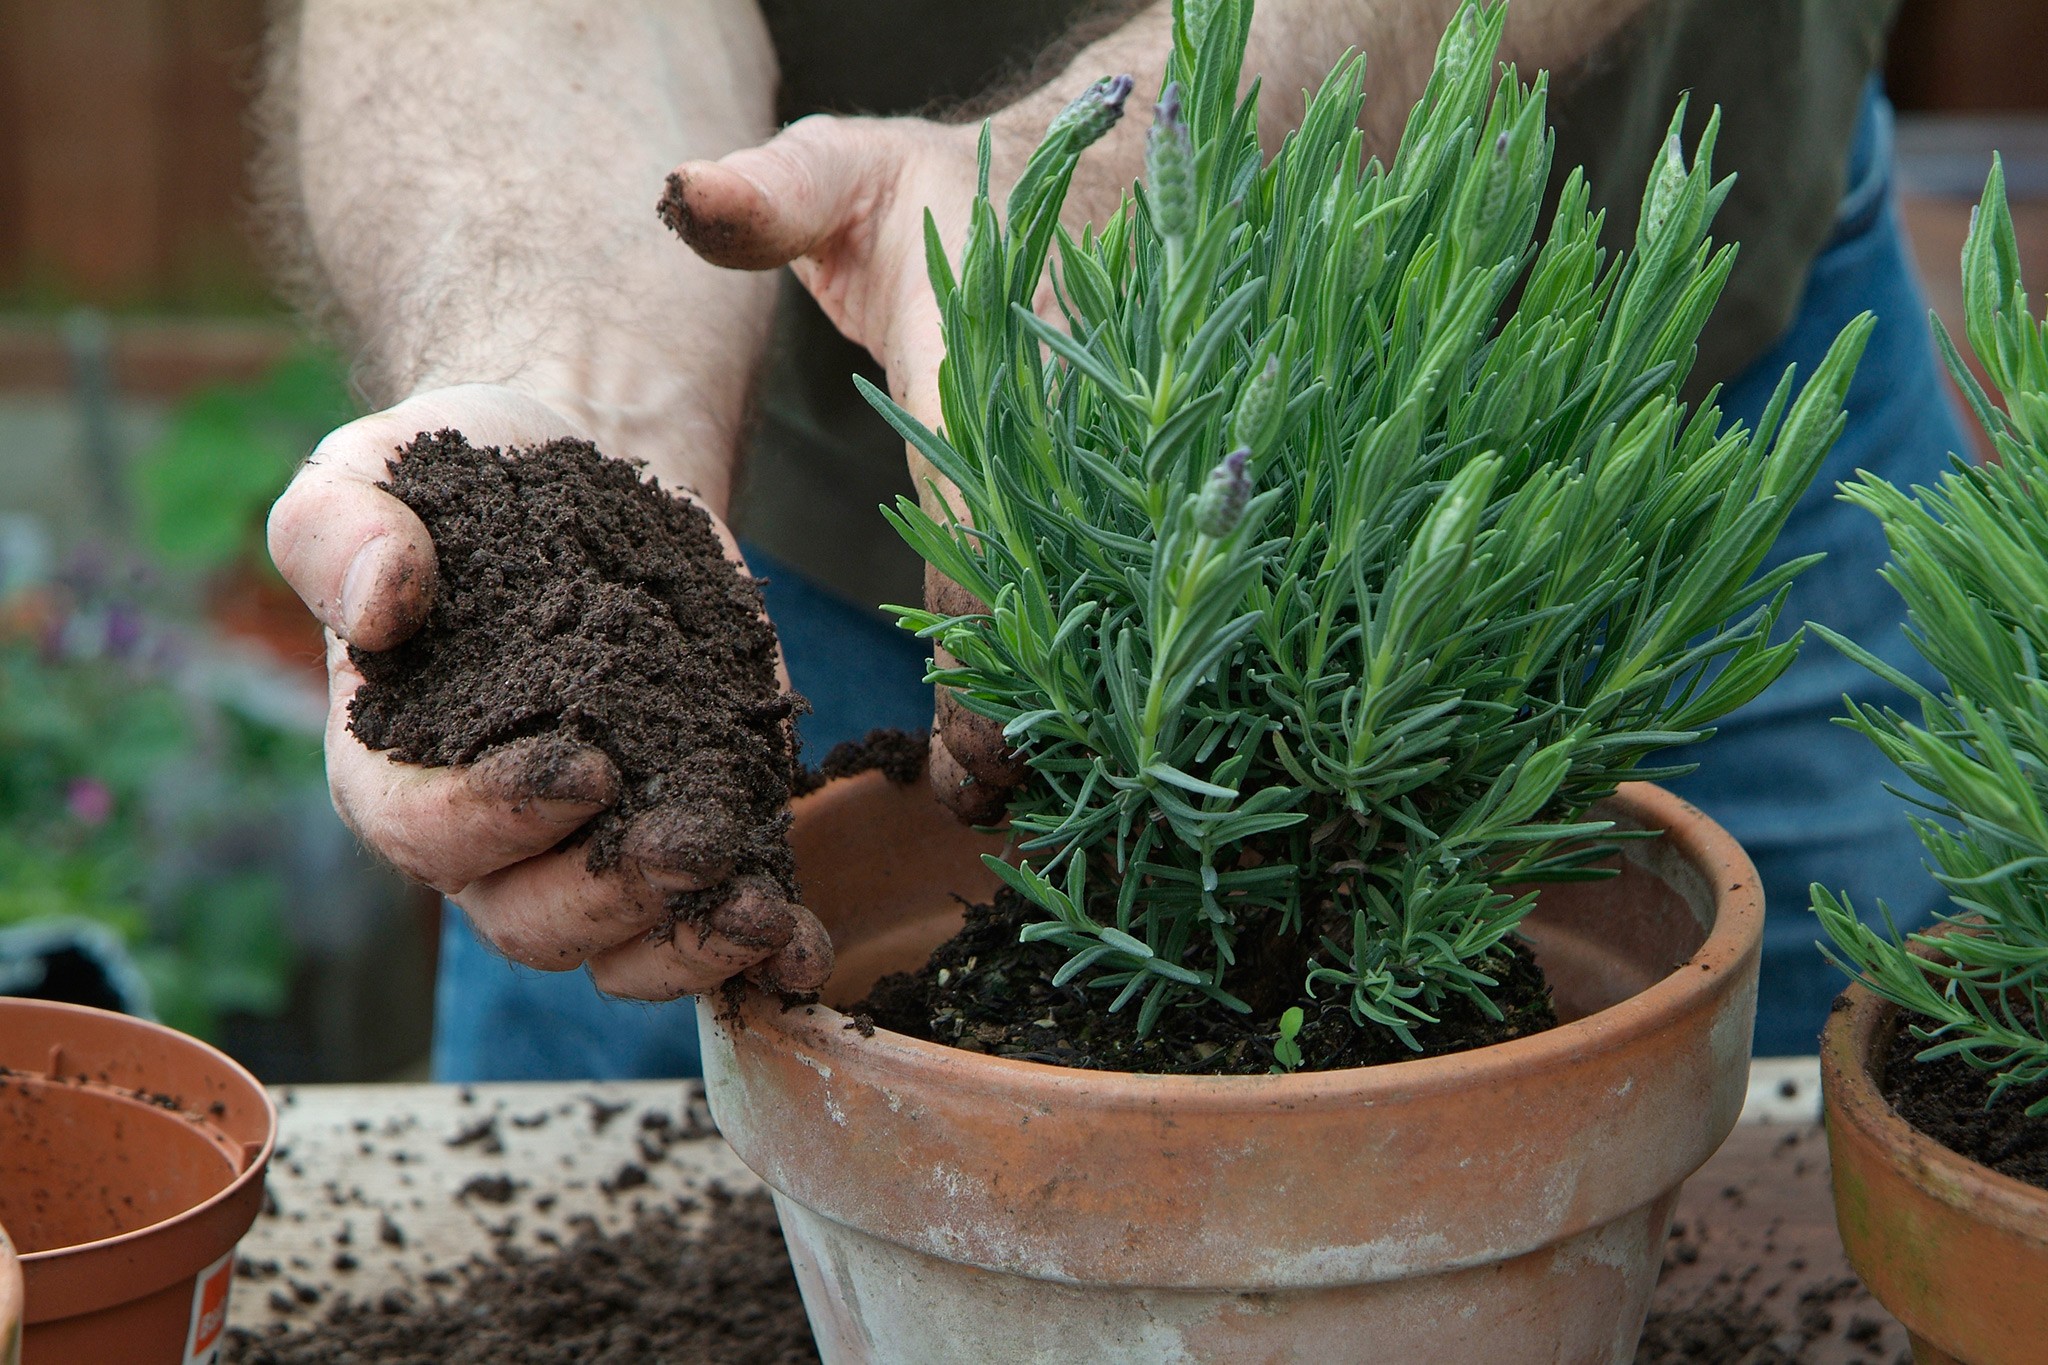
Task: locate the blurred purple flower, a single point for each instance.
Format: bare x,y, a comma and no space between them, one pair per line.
124,630
89,801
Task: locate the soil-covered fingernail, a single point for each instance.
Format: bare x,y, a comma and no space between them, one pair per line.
549,769
976,743
386,592
802,965
359,584
755,917
696,840
728,240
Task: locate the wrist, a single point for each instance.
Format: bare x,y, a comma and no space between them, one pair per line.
685,437
677,405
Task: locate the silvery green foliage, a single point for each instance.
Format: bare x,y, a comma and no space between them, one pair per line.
1971,559
1311,713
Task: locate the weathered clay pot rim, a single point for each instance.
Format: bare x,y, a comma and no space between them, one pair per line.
252,1166
1861,1022
1693,836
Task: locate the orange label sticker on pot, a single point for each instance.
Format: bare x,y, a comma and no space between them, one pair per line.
209,1312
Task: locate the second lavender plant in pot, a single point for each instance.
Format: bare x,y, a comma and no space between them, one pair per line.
1934,1066
1345,550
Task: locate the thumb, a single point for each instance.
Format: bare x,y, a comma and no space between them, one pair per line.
766,206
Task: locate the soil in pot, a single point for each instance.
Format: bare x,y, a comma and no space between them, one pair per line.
1945,1099
986,992
660,1291
899,755
578,600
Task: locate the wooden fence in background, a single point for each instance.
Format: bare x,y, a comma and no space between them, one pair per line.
123,145
124,137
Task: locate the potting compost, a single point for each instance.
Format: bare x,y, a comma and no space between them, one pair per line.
1946,1100
656,1292
986,991
579,601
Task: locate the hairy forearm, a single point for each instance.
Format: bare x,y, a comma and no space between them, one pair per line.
1293,44
477,186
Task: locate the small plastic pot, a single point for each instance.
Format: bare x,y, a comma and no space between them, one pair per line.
1507,1204
1954,1250
131,1162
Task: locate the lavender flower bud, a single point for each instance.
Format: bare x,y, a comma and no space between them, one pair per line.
1666,182
1258,403
1221,503
1170,169
1498,175
1094,113
1460,44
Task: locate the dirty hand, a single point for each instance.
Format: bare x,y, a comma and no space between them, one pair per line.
842,201
487,835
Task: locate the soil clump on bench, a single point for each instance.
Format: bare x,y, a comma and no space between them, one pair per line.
659,1291
582,603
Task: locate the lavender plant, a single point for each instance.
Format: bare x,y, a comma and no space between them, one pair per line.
1344,539
1970,557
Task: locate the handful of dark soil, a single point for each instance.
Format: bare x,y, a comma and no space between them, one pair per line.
578,600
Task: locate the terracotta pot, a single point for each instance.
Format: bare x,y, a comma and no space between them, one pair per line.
1956,1251
251,603
10,1302
131,1162
1500,1205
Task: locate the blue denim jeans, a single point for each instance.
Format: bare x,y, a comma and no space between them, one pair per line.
1804,796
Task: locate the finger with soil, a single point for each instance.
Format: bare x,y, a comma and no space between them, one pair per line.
974,768
358,557
554,914
450,827
802,965
973,801
362,560
684,848
695,957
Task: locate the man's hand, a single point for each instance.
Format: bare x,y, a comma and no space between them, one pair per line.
842,201
488,835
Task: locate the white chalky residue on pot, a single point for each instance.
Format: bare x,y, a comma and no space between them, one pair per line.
824,1071
1384,1258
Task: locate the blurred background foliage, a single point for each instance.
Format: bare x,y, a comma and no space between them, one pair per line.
203,488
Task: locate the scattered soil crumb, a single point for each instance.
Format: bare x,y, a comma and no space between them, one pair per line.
576,603
491,1189
986,992
602,1113
1727,1325
482,1134
660,1291
1946,1100
630,1176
